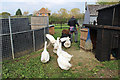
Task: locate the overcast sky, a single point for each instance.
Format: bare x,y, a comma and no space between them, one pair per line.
31,5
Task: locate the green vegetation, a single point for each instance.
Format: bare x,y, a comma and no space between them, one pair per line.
31,67
5,14
63,15
112,65
79,64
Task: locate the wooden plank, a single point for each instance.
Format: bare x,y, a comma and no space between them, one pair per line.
103,27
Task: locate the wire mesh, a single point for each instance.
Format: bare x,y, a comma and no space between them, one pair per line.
22,37
22,43
6,47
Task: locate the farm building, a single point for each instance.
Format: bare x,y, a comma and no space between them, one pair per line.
43,12
91,13
38,22
106,35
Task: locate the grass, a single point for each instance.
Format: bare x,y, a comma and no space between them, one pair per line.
113,65
58,26
30,66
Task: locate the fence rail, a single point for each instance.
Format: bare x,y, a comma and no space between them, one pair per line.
18,43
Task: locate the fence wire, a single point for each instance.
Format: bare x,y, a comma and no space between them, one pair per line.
24,40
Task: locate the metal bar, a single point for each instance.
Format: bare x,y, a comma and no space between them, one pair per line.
38,24
16,32
44,35
11,38
20,32
1,52
44,30
113,16
34,40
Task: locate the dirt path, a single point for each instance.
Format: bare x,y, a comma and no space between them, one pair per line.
84,62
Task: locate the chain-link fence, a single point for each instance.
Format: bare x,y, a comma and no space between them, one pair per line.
17,38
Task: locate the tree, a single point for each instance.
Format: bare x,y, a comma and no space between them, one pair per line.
75,12
63,16
54,18
25,13
18,12
107,2
5,14
63,13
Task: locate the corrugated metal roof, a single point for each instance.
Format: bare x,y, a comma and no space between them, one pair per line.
93,8
109,6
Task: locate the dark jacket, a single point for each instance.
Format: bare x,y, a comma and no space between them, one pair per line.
72,22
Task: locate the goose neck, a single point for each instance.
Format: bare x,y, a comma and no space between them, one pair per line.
45,46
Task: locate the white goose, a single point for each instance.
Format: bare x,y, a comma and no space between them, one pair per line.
63,63
63,39
56,45
51,38
45,55
67,43
63,53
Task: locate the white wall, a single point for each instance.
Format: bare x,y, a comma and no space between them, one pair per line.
92,18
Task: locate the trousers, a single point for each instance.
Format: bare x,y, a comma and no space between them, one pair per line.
76,35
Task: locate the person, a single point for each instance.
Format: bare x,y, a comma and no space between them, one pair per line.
72,23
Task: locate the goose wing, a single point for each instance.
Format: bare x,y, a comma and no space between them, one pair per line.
51,38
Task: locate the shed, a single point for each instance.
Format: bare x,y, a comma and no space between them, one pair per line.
106,35
38,22
113,18
106,41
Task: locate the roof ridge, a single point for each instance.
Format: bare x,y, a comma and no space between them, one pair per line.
43,10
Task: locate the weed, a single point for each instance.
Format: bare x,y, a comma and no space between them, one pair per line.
102,74
95,70
113,65
79,64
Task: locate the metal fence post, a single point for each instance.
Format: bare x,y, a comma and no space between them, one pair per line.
44,29
11,38
0,49
34,40
47,24
44,35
